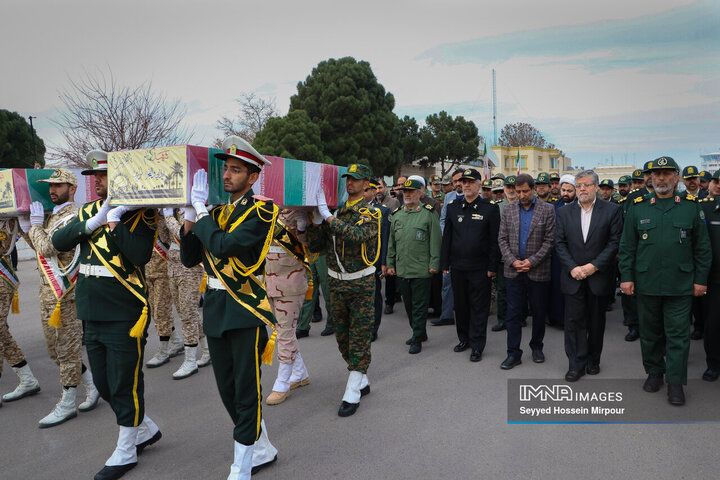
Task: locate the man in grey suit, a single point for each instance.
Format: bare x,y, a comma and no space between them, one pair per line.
526,238
587,236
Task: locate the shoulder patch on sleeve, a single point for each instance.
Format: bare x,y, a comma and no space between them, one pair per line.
428,206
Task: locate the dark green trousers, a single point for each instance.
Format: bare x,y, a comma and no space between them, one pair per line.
630,310
501,296
665,335
415,294
116,361
320,280
236,364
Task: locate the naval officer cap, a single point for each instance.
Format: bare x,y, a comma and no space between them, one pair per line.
240,149
98,160
471,174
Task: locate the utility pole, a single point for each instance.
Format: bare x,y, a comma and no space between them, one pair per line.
494,110
32,129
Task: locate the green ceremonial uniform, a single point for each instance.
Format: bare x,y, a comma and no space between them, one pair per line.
351,242
629,302
414,249
110,307
665,250
235,315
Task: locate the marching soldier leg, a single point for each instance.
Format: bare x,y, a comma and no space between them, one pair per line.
652,333
161,312
712,336
340,304
406,293
676,311
186,296
361,319
501,296
308,306
97,357
12,353
286,311
420,288
322,273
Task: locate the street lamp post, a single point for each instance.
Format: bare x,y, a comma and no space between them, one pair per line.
32,129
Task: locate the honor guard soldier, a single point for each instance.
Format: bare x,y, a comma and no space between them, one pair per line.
711,208
61,327
9,350
665,258
351,236
232,241
112,299
414,256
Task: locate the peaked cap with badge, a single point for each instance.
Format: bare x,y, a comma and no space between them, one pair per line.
358,171
542,179
607,183
98,160
240,149
61,175
691,171
662,163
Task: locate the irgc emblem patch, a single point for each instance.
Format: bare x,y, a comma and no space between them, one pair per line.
419,235
662,161
55,174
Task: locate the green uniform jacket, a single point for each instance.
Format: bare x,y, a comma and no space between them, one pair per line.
220,311
628,200
351,227
664,247
711,209
415,241
105,299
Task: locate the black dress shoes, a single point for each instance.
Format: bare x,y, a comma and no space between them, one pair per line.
632,335
302,333
675,393
710,375
510,362
365,390
592,369
114,472
653,383
498,327
475,355
538,356
141,446
461,347
257,468
327,331
347,409
415,347
442,321
696,334
409,341
574,375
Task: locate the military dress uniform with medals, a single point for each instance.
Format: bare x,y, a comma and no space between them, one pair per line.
232,241
112,299
665,250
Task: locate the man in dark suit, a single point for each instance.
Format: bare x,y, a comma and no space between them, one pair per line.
587,237
526,240
470,254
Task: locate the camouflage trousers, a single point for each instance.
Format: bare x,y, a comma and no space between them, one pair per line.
353,310
160,305
9,349
64,344
186,297
286,310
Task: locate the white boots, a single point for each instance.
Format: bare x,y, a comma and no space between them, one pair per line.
147,434
356,387
264,452
241,467
189,366
123,458
64,410
299,376
281,387
176,344
205,359
161,357
92,394
28,385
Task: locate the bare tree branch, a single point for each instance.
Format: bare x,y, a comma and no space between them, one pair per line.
252,117
99,113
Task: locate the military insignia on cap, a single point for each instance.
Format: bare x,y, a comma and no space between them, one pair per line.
467,172
645,236
662,162
691,170
233,149
407,183
55,174
94,162
352,168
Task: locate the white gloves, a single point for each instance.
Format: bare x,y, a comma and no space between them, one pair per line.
37,213
199,192
100,218
190,215
24,222
167,212
301,221
115,215
322,205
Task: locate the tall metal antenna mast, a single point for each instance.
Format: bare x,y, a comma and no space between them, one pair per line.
494,111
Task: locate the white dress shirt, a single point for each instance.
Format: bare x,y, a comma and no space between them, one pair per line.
585,218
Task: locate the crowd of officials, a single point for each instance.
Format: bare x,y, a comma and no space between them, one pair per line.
556,249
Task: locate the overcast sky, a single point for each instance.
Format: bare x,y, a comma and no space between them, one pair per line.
623,80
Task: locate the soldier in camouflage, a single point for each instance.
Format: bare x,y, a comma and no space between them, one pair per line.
64,342
9,350
351,238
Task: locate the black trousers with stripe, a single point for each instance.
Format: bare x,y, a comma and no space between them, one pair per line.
236,363
116,361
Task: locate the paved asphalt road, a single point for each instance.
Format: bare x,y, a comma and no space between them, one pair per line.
429,416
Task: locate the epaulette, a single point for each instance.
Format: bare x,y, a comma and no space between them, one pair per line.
691,198
492,202
633,190
620,200
707,199
429,207
398,208
639,199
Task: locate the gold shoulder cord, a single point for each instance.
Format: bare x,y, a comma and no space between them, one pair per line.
237,265
363,249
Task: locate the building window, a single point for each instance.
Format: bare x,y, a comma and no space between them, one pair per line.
507,162
523,162
539,164
553,163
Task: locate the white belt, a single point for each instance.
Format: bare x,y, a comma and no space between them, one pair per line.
215,283
95,270
354,275
276,249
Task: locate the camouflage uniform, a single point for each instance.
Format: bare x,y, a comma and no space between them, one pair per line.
156,274
184,284
286,286
9,349
352,301
64,344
